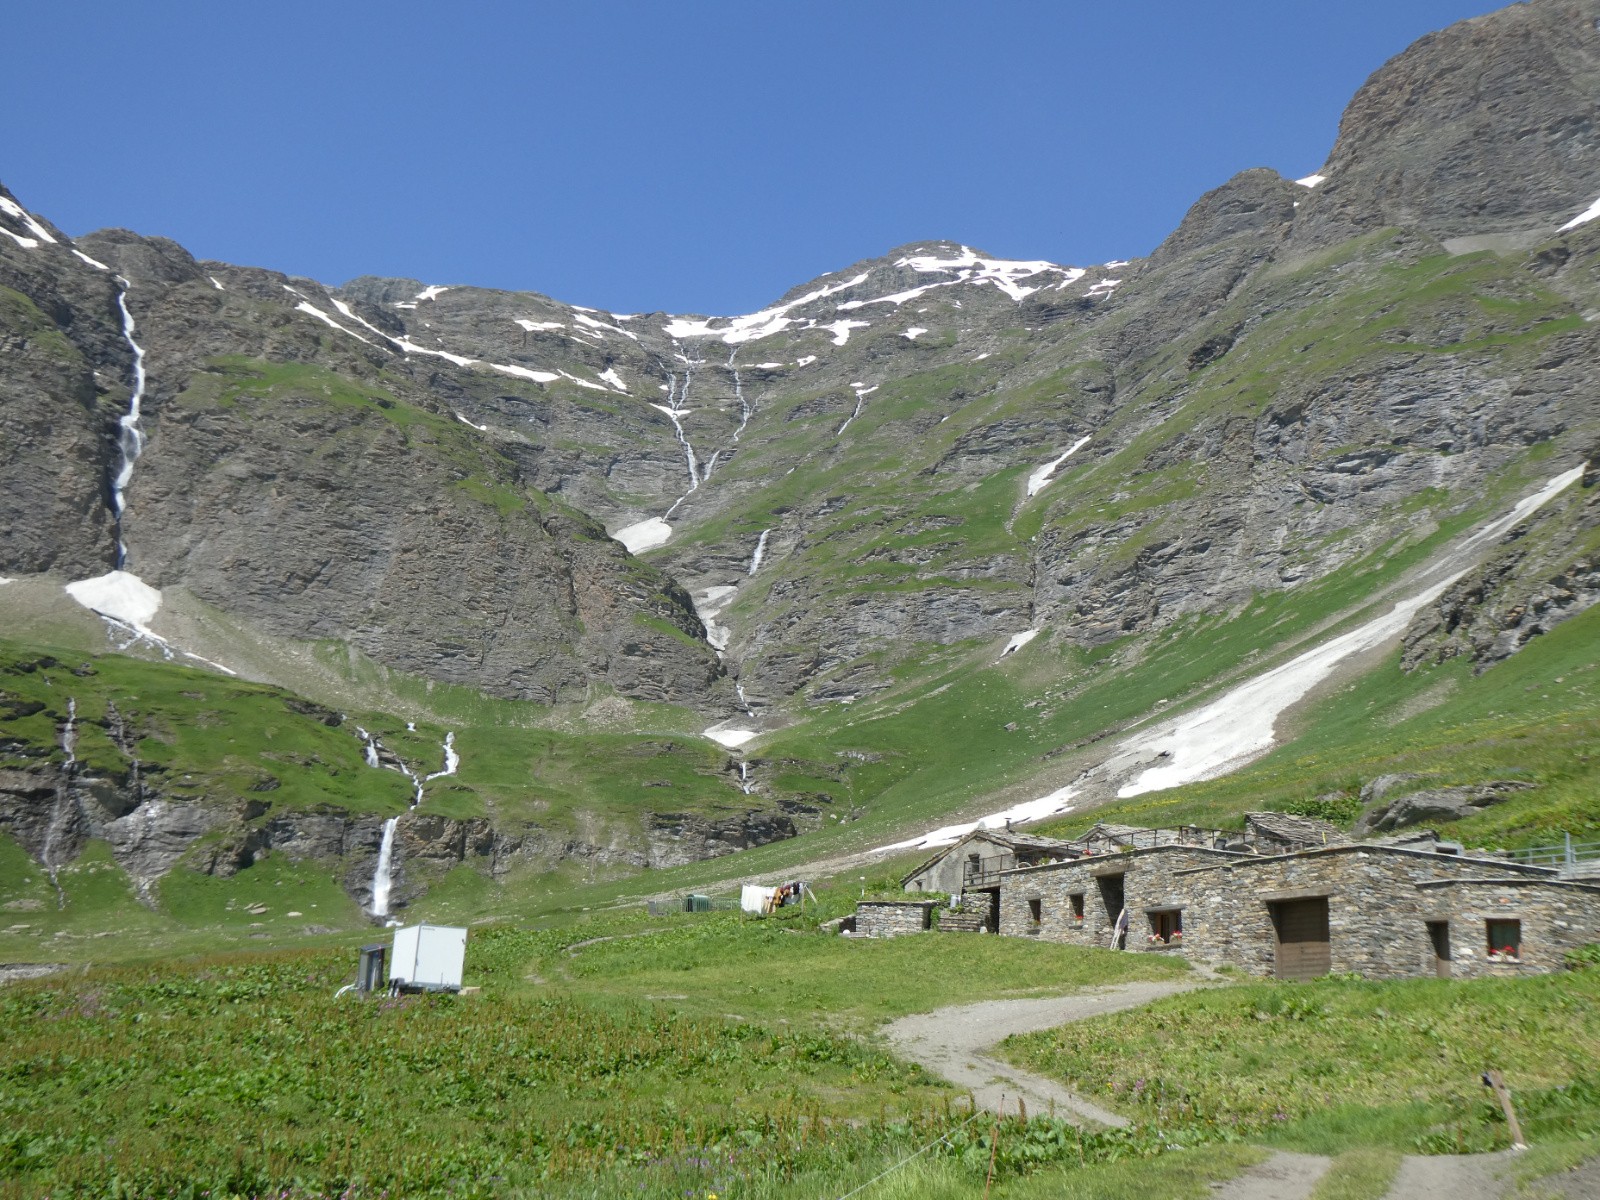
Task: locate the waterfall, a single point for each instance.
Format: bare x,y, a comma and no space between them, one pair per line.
861,397
69,733
745,785
381,876
371,746
743,703
130,441
452,760
761,552
738,394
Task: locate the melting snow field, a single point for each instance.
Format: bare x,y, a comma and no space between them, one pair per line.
120,595
1582,218
731,738
129,603
1018,641
755,325
1043,475
1310,181
646,535
1240,725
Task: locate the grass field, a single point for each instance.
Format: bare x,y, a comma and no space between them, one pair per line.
571,1073
1337,1064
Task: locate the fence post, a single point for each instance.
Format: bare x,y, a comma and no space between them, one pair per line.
1568,841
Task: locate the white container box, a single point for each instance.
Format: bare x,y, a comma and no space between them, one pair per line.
428,956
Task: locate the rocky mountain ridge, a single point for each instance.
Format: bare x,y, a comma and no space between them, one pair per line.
929,454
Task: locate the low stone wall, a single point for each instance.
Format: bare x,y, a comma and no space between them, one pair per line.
891,918
961,922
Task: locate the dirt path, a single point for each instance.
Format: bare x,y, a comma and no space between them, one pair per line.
1284,1176
1451,1177
954,1043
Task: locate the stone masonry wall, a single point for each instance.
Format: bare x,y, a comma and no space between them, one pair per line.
1555,917
961,922
893,918
1377,912
1380,900
1150,880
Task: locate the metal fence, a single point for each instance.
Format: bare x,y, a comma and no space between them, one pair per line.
693,902
1560,854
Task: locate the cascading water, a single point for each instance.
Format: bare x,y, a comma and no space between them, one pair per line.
760,553
738,394
743,703
370,747
381,877
130,441
452,760
745,785
69,733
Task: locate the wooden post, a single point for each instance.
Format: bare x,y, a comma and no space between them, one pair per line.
994,1146
1495,1081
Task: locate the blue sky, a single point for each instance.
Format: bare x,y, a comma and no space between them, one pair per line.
703,156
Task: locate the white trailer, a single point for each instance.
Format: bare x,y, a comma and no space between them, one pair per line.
428,958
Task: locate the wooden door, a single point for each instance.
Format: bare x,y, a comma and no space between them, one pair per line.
1303,950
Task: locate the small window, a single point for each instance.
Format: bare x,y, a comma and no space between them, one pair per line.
1505,939
1077,905
1166,927
1036,911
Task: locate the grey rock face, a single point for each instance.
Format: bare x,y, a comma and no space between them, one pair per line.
1488,125
1435,804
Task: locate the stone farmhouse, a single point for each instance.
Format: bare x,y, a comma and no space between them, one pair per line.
1288,897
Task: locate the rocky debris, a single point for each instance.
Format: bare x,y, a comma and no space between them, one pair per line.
1433,804
16,972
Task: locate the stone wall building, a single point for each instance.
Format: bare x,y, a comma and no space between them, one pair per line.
979,858
1381,911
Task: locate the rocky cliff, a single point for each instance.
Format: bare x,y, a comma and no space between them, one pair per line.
919,454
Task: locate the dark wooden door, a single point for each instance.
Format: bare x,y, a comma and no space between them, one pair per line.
1302,934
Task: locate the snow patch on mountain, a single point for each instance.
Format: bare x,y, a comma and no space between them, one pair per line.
1310,181
731,738
913,333
841,330
432,292
1018,641
644,535
524,372
1582,218
538,326
310,309
755,325
1043,475
1005,274
17,213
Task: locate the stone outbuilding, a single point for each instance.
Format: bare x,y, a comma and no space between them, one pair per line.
892,918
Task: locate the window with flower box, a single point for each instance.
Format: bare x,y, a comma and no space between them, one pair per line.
1505,940
1166,927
